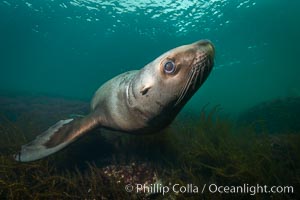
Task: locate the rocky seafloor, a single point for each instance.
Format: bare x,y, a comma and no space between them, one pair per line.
202,150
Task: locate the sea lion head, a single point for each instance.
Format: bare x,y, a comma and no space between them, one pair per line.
171,80
157,92
184,69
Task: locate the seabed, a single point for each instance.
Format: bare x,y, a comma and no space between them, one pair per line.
198,150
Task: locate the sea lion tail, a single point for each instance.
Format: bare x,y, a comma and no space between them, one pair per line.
56,138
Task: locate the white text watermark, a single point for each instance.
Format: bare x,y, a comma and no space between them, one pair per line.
211,188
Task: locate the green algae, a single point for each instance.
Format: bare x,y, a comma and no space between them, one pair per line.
202,150
220,153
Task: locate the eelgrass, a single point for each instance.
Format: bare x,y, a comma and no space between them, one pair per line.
202,150
217,152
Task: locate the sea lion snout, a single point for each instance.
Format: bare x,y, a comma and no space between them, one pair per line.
207,47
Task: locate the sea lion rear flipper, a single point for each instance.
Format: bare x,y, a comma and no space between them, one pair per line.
56,138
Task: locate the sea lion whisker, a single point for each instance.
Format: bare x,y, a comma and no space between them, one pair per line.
186,86
201,68
192,77
196,76
189,75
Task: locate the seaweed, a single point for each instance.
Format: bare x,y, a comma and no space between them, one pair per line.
221,153
201,149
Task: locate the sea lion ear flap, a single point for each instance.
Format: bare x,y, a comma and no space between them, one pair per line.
145,89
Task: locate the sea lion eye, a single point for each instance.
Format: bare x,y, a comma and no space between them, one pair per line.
169,67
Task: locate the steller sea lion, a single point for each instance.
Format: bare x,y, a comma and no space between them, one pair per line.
140,102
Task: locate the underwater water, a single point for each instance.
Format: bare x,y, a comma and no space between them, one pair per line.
54,55
70,48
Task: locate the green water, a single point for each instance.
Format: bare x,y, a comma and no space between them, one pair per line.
70,48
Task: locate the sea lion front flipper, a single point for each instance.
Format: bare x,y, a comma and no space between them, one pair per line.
56,138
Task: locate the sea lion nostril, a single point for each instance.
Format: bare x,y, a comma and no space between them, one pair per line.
203,43
210,49
207,47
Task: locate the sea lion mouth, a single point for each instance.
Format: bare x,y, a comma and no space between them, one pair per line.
200,66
